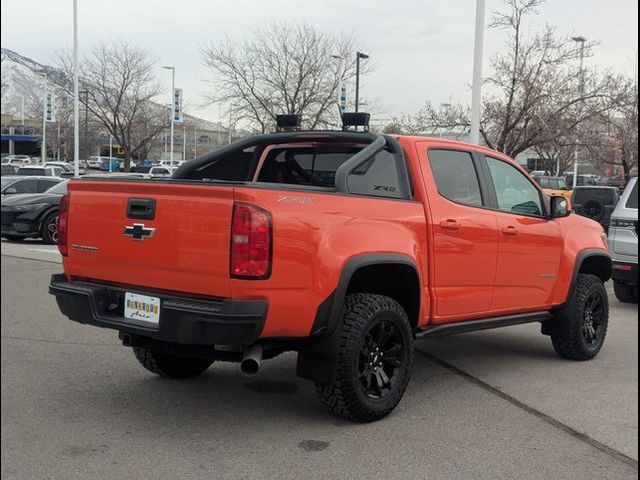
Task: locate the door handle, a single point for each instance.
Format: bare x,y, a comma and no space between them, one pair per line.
450,225
511,231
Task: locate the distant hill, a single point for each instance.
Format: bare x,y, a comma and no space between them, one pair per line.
24,77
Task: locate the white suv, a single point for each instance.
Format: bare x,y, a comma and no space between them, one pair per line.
623,238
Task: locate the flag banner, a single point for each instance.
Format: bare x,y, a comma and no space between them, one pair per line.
177,106
49,111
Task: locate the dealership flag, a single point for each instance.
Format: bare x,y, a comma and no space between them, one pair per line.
177,106
49,112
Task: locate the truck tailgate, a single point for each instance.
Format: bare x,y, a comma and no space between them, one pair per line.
183,248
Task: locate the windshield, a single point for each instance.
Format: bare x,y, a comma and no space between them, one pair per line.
59,189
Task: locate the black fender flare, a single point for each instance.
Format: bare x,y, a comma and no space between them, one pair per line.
550,326
316,356
590,253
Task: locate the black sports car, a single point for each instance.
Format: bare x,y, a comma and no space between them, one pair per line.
32,214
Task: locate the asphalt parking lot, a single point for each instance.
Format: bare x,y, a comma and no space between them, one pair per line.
497,404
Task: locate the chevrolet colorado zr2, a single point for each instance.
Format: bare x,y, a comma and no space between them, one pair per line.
342,246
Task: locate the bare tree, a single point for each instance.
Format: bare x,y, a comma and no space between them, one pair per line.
121,85
282,69
611,139
533,95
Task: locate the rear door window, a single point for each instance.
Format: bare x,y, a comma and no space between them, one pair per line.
456,176
29,185
44,185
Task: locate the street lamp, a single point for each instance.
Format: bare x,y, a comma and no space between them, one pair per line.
76,98
173,89
576,154
363,56
87,150
476,89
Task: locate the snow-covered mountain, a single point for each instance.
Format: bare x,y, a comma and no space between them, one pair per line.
24,77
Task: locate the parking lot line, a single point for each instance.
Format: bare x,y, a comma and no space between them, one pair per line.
533,411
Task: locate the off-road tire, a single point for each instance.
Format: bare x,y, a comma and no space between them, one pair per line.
626,293
570,324
50,229
170,366
347,397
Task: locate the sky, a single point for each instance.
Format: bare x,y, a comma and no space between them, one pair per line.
421,49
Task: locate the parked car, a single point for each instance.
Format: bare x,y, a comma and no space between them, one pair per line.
29,184
623,238
68,169
16,160
32,215
65,166
583,180
341,246
615,181
159,171
142,166
8,169
94,162
110,164
596,203
40,171
540,173
554,186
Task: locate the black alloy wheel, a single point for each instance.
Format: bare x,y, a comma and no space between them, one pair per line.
382,353
50,229
374,357
594,314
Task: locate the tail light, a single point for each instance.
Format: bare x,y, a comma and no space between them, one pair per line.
63,225
250,242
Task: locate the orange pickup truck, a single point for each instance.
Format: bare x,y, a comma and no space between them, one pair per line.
342,246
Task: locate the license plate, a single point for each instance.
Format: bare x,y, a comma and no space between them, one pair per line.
142,308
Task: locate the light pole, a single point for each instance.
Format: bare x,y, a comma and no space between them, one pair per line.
219,124
476,89
195,141
184,142
363,56
76,97
110,151
87,150
576,154
173,90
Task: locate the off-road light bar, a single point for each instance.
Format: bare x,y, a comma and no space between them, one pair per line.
356,120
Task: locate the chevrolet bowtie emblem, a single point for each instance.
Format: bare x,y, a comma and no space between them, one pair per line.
138,231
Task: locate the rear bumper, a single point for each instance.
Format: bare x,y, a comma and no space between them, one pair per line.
183,320
625,273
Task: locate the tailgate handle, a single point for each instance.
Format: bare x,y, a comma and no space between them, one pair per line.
141,208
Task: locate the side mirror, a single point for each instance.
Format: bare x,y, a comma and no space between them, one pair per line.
10,191
559,207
